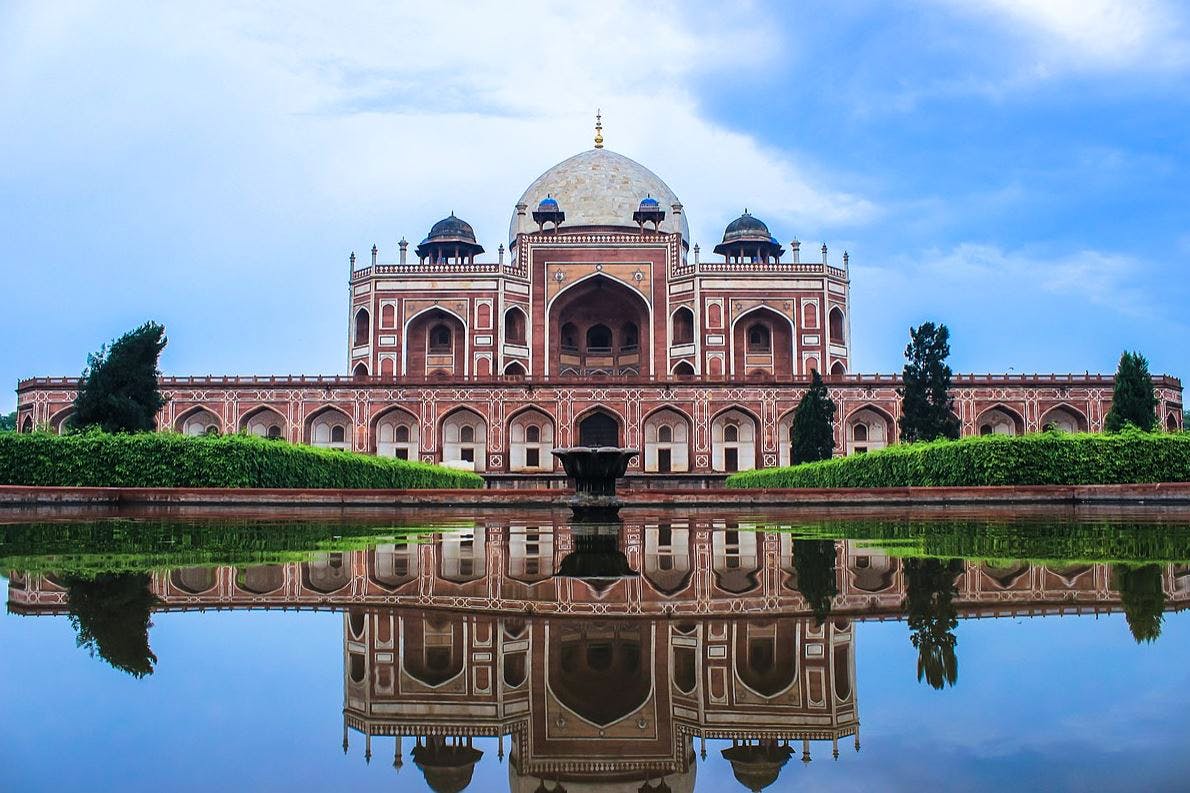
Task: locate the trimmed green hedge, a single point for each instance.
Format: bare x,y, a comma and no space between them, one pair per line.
153,459
1047,458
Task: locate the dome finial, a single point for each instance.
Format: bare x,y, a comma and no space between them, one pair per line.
598,129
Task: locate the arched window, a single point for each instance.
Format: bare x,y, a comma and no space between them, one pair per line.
665,434
684,369
836,327
514,326
599,339
838,368
466,434
731,433
363,330
533,434
809,315
273,433
388,316
514,369
985,429
441,340
337,434
360,370
570,337
401,434
27,424
860,433
629,337
683,326
759,338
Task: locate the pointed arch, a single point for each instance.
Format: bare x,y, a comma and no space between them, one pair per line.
867,428
1064,417
515,369
516,324
199,420
363,327
837,326
27,424
683,369
999,419
530,440
838,368
592,430
462,437
329,427
415,340
264,422
61,422
762,340
396,432
668,433
682,326
734,439
360,371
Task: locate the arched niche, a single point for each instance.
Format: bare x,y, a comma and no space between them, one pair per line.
867,430
766,655
733,441
264,423
397,433
598,428
435,343
667,558
464,440
1000,420
601,672
837,327
682,322
1064,418
595,328
530,440
667,441
762,344
199,421
329,428
515,326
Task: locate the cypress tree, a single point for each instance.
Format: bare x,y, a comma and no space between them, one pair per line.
814,562
119,391
930,591
1133,401
1143,599
814,425
112,614
927,409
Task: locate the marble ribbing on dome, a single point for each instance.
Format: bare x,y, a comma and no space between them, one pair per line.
601,188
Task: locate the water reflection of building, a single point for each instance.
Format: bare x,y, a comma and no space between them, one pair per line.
608,704
688,569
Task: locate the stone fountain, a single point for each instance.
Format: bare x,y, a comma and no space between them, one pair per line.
597,557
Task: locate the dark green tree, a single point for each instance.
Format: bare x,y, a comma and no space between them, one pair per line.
928,410
1143,599
814,562
1132,401
813,434
8,422
930,611
111,615
119,391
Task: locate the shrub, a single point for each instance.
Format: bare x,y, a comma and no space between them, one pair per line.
151,459
1048,458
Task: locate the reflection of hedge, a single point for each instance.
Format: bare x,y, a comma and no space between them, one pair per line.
122,545
168,460
1048,458
1031,539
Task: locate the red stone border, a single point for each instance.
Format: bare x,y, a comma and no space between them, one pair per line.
1161,493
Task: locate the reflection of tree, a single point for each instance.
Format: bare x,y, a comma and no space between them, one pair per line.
814,561
929,604
111,614
1143,599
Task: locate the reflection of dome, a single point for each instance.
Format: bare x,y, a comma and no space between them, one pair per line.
757,766
447,768
601,188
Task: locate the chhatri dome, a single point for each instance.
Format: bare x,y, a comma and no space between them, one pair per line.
601,188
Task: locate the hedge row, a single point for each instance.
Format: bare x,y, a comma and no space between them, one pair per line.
1048,458
154,459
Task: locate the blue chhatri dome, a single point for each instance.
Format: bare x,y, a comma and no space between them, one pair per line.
548,204
649,204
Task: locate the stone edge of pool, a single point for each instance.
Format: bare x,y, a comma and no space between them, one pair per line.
1159,493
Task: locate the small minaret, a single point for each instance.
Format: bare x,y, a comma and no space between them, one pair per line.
824,253
351,263
520,218
696,254
404,246
500,253
795,249
846,261
375,253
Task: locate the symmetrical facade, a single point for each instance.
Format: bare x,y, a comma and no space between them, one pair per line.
599,322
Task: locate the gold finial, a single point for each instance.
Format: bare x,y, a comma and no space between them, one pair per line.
598,129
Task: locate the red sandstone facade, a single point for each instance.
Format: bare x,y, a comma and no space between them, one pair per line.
604,325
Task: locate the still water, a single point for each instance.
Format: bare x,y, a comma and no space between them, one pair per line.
670,652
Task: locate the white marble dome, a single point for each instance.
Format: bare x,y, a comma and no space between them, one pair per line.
599,188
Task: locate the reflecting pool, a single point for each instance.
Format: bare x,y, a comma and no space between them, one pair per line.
672,651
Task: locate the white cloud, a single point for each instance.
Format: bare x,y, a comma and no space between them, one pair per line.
1091,34
419,108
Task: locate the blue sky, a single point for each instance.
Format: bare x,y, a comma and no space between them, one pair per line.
1014,168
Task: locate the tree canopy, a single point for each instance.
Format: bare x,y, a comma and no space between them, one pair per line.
1142,598
814,425
927,408
119,391
932,616
1133,401
8,421
814,562
111,615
